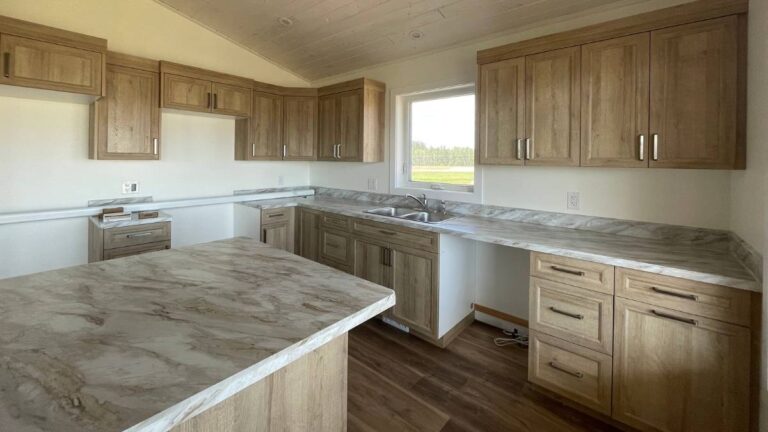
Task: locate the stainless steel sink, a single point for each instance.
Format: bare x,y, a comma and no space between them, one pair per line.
411,214
391,211
428,217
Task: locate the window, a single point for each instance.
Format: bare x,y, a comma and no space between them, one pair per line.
437,140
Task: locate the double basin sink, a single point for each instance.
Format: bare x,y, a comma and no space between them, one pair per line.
411,214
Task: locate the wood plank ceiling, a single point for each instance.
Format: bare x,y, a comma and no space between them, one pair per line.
321,38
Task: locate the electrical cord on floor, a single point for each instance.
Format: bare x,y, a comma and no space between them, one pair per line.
515,338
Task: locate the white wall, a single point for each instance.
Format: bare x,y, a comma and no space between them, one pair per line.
44,142
687,197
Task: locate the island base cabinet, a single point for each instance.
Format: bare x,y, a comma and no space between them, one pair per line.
676,372
309,394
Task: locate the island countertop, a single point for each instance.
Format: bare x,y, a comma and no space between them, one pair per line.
146,342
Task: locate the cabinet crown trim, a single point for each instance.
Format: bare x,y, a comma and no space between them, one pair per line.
204,74
677,15
53,35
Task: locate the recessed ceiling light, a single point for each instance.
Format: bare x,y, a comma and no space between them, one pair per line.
285,21
416,34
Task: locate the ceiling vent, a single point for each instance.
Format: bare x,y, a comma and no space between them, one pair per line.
285,21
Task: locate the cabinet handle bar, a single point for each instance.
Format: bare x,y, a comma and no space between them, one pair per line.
563,369
566,313
642,147
675,318
675,294
565,270
7,64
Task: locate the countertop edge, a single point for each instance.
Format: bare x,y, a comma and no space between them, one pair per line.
211,396
742,284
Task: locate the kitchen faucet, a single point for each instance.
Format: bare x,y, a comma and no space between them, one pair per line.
423,202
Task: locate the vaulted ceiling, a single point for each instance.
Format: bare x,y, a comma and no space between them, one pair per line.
321,38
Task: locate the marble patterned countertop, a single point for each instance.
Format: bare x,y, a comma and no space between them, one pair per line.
142,343
689,261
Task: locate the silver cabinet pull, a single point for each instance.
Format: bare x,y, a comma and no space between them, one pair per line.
557,366
154,145
285,151
528,149
568,314
7,64
253,150
675,318
675,294
334,151
519,149
339,150
137,235
215,101
655,150
565,270
642,147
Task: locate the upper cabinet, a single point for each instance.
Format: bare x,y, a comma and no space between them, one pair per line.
501,112
46,58
614,102
282,126
351,122
192,89
126,123
552,86
694,95
665,89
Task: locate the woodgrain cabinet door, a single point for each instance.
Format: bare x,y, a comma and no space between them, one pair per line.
371,262
266,127
185,93
127,121
694,75
676,372
614,102
328,133
552,110
231,100
414,280
300,127
309,234
350,125
501,112
32,63
276,235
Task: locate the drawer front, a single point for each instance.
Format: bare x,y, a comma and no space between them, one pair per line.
337,265
136,235
136,250
577,373
335,222
398,235
583,274
335,246
698,298
270,216
581,316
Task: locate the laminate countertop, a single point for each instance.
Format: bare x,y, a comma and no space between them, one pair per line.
145,342
678,259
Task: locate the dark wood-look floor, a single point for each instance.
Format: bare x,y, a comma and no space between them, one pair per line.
400,383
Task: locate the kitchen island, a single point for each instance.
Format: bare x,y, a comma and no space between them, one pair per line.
219,336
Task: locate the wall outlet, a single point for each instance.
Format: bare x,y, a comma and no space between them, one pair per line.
130,187
280,180
573,201
373,184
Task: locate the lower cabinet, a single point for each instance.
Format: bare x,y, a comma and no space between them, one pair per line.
277,228
658,353
675,371
308,234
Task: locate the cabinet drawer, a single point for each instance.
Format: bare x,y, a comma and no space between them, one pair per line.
336,247
334,222
584,274
398,235
136,235
574,314
270,216
698,298
577,373
136,250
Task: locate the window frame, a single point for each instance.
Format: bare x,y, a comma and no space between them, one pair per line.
401,144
